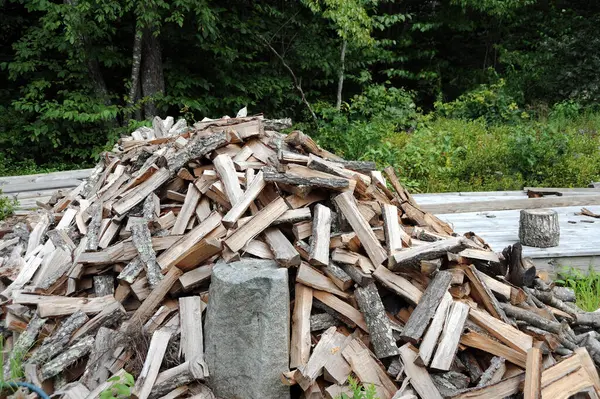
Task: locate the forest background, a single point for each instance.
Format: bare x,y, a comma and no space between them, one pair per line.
456,94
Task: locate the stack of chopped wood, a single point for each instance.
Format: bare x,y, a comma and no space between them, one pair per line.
113,276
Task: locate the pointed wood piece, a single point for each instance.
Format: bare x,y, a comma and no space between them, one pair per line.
342,308
256,225
187,211
283,251
425,310
446,350
430,339
301,340
311,277
398,284
226,170
368,370
192,343
533,374
380,329
412,257
479,341
502,331
419,377
321,234
101,358
140,192
156,352
185,245
347,205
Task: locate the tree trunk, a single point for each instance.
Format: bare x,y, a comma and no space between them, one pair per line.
153,81
338,103
135,70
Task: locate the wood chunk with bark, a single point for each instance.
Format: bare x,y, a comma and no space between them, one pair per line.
23,343
343,308
453,328
430,339
140,234
425,310
156,352
338,276
73,353
380,330
321,235
53,345
419,377
226,170
283,251
310,179
311,277
398,284
411,257
482,342
347,205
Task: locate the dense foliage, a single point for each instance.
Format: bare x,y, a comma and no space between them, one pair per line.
457,94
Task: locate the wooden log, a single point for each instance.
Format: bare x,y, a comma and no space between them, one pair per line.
398,284
322,321
22,345
109,316
347,205
283,251
479,341
301,140
294,216
411,257
533,374
196,148
73,353
156,352
446,350
339,277
341,307
187,211
259,249
259,222
314,179
93,229
226,170
502,331
311,277
301,326
494,372
380,329
142,241
181,375
430,339
321,235
427,305
202,251
419,377
101,358
54,344
504,388
356,274
140,192
392,229
52,306
191,341
185,245
482,294
539,228
367,369
146,309
532,318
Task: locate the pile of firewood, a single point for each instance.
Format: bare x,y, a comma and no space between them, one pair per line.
108,277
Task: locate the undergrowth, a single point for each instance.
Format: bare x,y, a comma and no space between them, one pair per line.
585,285
7,206
359,391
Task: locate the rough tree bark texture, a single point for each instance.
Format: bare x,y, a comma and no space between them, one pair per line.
539,228
54,344
135,67
153,81
338,103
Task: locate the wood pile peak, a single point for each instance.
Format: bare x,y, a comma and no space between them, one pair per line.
111,276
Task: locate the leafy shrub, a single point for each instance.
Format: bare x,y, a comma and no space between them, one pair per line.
7,206
120,389
492,102
359,391
586,287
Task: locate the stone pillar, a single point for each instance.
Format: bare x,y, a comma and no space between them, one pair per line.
247,330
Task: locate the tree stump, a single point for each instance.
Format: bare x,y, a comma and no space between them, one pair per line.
539,228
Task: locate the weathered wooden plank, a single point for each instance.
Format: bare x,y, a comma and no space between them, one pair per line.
446,350
156,352
283,251
301,340
321,234
533,374
419,377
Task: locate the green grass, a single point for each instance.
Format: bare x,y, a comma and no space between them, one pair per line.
586,287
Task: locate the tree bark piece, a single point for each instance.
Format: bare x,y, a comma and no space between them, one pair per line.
380,329
419,377
321,235
104,285
446,350
154,357
67,358
320,179
494,372
53,345
411,257
140,234
23,344
539,228
259,222
109,316
425,310
301,326
284,252
533,374
347,205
